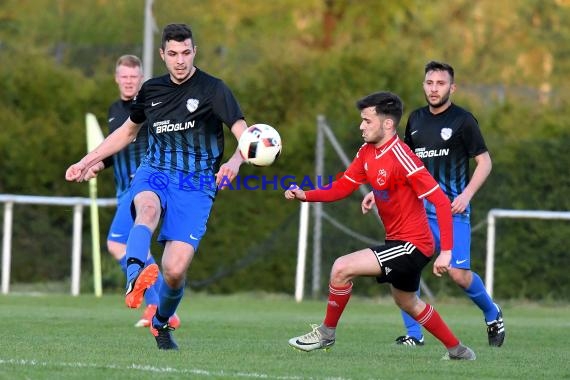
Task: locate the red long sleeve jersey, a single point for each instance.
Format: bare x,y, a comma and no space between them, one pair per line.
399,182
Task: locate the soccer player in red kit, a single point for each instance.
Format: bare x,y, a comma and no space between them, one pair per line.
400,182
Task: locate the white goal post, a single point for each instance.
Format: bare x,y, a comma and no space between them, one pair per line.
492,216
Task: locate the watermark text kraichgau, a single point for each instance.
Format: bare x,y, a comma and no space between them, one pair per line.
194,181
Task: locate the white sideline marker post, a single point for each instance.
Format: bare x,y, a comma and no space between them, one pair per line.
94,138
302,251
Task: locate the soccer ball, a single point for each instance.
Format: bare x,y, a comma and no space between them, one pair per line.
260,145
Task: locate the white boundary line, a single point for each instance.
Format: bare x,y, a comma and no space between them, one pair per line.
147,368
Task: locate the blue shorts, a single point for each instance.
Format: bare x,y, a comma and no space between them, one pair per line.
122,221
461,252
185,211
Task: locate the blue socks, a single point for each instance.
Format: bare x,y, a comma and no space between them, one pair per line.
138,245
169,301
151,294
478,294
413,328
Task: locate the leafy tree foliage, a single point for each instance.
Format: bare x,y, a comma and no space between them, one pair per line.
316,58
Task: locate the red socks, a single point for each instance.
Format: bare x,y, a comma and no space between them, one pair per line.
430,319
338,298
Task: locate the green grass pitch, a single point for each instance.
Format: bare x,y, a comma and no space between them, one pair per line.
245,337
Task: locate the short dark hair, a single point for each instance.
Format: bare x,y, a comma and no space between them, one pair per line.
440,66
385,103
176,32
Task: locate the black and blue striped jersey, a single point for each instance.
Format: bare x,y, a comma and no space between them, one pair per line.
445,143
126,162
185,122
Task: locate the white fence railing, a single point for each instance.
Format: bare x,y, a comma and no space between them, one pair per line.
494,214
78,204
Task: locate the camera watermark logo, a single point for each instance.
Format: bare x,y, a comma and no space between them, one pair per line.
158,181
194,181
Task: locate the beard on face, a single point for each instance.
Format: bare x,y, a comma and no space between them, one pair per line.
443,100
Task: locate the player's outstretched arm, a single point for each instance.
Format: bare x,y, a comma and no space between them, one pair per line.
75,172
94,170
78,172
116,141
294,192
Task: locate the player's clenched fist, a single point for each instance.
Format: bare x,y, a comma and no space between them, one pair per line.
75,172
294,192
442,263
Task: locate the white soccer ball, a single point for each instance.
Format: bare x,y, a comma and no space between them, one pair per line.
260,145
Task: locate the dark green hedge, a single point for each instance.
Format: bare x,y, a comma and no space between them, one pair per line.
284,78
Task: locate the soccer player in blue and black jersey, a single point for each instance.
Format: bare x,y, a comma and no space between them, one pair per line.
129,78
446,137
178,178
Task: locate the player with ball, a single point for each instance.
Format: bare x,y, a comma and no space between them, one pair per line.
185,111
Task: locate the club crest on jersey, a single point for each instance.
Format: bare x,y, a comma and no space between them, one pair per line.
445,133
192,104
381,177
